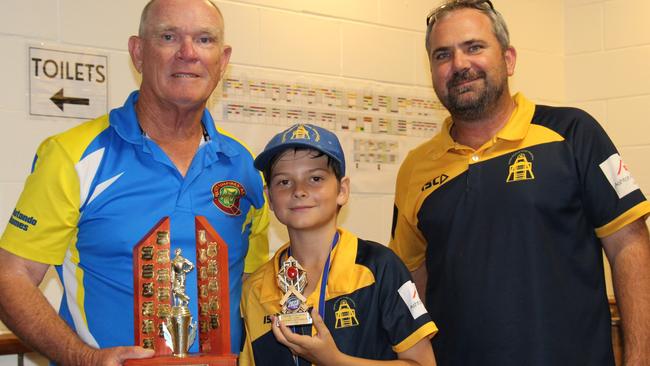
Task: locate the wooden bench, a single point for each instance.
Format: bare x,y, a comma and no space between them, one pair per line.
617,332
11,345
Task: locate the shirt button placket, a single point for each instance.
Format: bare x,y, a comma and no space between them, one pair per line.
473,158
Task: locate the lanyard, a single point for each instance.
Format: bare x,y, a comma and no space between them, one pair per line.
326,274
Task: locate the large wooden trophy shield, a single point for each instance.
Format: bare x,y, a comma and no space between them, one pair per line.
163,321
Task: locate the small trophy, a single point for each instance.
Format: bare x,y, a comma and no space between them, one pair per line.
292,280
162,318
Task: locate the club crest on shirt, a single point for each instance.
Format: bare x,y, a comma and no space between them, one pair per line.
520,166
345,313
227,196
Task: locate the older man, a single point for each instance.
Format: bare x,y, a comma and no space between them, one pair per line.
504,214
97,189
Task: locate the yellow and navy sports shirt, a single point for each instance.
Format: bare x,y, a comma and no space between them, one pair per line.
97,189
371,306
510,237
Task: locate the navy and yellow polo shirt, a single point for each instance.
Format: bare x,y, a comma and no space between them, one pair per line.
97,189
372,307
510,235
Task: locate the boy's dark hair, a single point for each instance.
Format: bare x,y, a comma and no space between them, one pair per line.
331,163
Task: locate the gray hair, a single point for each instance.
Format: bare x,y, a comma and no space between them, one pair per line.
144,18
499,27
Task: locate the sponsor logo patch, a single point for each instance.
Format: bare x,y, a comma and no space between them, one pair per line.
346,313
618,176
22,221
520,166
409,294
227,196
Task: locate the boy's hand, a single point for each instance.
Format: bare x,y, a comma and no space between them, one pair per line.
319,349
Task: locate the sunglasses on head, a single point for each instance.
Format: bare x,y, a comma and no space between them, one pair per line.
459,4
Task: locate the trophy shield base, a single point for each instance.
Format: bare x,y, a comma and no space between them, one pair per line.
295,318
195,359
156,291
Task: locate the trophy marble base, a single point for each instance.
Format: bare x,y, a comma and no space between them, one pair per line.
194,359
295,319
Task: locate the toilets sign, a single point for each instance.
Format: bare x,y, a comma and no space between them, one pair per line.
67,84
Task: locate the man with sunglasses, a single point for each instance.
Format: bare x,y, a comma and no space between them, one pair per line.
502,217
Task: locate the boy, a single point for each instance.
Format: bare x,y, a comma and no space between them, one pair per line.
365,306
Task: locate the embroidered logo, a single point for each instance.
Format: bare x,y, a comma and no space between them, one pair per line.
227,195
521,166
409,294
345,313
302,132
618,176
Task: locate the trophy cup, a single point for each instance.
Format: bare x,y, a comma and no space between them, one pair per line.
162,318
292,280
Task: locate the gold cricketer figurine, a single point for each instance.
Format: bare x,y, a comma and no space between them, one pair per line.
179,330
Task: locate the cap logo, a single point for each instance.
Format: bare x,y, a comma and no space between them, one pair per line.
302,132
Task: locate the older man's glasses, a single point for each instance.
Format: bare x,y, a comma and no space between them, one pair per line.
459,4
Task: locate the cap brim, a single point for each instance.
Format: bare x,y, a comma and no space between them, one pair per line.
263,160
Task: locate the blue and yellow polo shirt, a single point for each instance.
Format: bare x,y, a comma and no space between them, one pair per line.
97,189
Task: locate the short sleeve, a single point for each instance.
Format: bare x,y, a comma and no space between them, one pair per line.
258,242
612,199
406,239
246,354
44,222
404,317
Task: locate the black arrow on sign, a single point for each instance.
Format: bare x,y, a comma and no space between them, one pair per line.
60,100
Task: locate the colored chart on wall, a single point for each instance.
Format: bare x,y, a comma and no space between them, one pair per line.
376,123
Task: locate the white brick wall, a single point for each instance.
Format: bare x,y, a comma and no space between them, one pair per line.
608,48
607,53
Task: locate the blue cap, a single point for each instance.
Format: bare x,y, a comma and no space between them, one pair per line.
302,135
